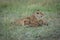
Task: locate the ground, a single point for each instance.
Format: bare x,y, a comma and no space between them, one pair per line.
10,10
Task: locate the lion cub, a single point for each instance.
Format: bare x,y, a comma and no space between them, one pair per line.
33,20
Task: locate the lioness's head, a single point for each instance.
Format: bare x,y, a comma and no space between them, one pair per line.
38,14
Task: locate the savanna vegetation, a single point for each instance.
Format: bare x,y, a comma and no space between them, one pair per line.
10,10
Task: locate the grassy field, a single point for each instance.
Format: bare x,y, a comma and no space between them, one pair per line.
15,9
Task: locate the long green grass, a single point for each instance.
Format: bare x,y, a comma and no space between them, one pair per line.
10,10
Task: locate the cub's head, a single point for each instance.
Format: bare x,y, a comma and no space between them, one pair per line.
38,14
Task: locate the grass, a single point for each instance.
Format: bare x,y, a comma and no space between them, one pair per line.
15,9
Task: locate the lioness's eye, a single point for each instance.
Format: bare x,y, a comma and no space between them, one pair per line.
37,13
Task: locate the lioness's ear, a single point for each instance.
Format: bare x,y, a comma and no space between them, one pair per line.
36,12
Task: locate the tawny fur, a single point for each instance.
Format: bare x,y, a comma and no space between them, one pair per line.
22,21
33,21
